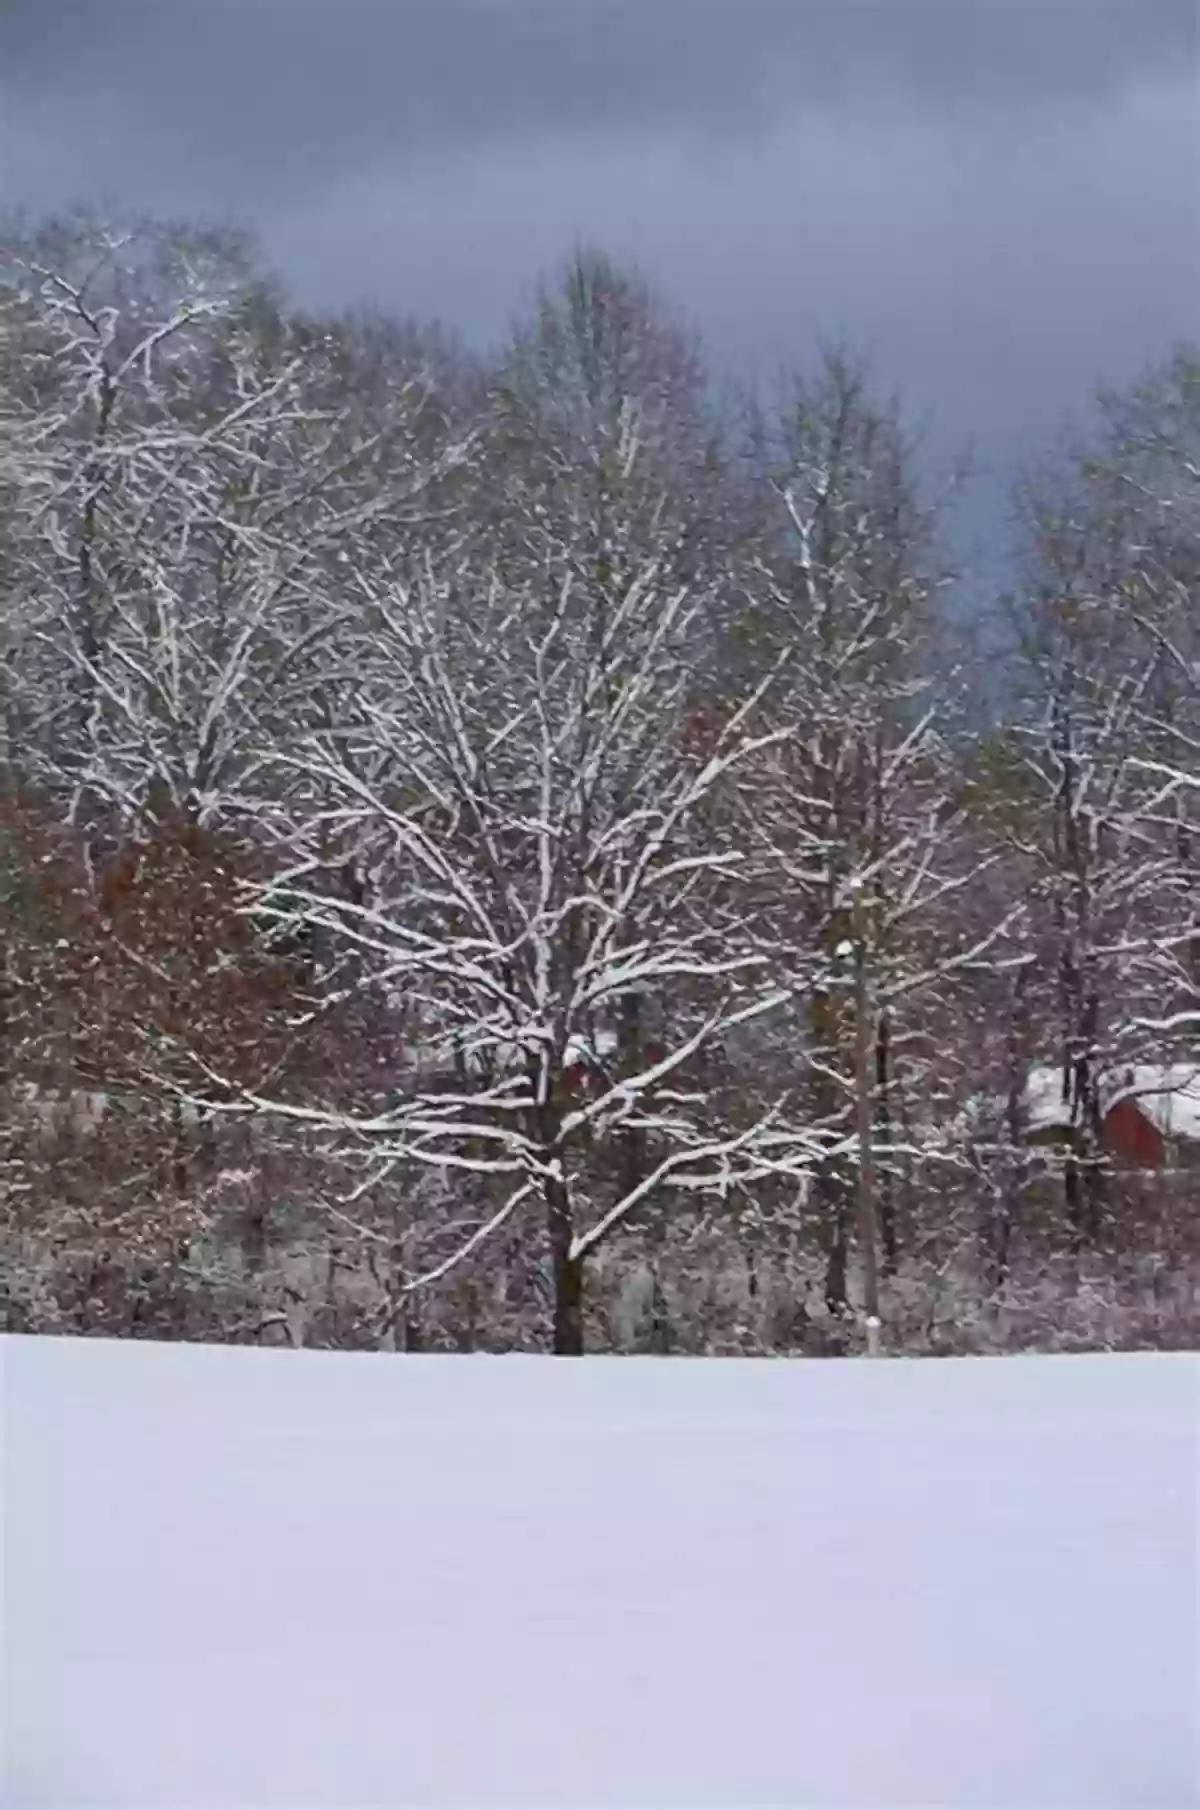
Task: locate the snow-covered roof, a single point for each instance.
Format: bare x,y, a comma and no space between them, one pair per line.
579,1052
1167,1094
1043,1101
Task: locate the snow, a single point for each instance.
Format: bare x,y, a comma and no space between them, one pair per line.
1168,1095
1044,1104
271,1579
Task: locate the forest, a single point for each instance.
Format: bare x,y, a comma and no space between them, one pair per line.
529,850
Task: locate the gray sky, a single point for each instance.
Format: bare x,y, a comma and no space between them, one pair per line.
997,200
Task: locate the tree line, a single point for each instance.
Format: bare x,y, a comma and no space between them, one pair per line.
525,851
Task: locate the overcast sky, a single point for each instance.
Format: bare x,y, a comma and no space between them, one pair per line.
997,200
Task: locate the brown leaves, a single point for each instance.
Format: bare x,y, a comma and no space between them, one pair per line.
155,970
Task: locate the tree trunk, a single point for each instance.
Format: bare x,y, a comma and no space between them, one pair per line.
1013,1174
832,1189
887,1192
568,1305
404,1310
831,1183
633,1164
865,1110
662,1332
1093,1210
566,1272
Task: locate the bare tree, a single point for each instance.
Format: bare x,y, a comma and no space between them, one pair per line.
541,869
518,786
858,809
1109,752
205,484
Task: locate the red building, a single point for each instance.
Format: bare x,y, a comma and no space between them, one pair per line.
1150,1115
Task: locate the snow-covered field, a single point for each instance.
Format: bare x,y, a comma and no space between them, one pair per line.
286,1579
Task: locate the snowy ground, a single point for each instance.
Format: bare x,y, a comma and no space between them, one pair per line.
286,1579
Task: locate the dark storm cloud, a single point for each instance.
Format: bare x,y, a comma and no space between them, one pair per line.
998,199
255,99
